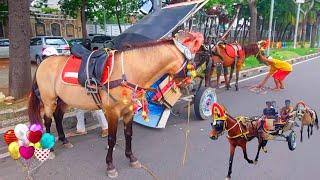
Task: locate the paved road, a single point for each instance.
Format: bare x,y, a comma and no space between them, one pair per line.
162,150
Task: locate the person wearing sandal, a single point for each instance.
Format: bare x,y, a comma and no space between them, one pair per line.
81,128
279,70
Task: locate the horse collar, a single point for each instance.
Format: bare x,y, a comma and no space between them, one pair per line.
183,49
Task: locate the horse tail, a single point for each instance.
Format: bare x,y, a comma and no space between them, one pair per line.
316,120
34,104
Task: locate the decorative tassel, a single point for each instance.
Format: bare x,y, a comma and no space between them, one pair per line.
124,96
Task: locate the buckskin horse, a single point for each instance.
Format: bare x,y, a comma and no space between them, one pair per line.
123,72
307,116
238,133
232,55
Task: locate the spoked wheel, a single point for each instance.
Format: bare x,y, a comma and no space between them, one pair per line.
292,140
203,101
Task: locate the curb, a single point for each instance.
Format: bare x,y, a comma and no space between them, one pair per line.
255,71
70,120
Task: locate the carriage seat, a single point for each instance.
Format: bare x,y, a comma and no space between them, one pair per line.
97,63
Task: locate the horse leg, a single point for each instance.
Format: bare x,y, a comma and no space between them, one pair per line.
225,73
262,143
219,72
112,138
245,155
208,73
128,136
58,117
237,78
231,72
301,131
308,131
232,149
311,126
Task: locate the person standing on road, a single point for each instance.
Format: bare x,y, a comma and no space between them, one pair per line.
81,128
279,70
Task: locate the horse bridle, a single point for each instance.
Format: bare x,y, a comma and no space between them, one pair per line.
227,130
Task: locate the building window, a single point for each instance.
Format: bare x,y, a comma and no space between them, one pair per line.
70,30
40,29
55,29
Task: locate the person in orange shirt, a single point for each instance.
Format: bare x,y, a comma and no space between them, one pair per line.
279,70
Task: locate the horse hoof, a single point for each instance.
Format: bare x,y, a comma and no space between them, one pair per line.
135,164
52,155
68,145
250,162
255,162
264,150
112,173
228,178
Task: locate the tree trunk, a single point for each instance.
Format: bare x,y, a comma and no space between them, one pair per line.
284,32
84,20
262,28
304,31
315,31
253,21
118,14
244,31
19,34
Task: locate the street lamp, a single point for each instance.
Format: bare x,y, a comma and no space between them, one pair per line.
270,25
297,23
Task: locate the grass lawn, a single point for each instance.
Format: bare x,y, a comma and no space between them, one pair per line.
282,54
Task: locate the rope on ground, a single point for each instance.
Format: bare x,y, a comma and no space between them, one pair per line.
149,172
187,131
144,167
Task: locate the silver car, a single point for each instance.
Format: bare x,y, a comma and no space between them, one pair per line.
38,44
4,48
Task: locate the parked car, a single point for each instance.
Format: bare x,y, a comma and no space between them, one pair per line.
91,35
4,48
98,41
38,44
71,42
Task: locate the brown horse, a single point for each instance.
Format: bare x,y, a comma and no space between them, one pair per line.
238,133
232,55
307,116
142,65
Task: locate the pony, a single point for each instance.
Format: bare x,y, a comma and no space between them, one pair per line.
233,55
307,116
239,132
141,64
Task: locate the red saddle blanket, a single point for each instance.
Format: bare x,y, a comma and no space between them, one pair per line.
71,69
234,50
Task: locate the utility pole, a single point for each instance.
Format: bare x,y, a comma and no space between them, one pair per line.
270,25
297,23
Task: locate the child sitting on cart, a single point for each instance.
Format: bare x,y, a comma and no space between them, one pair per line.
270,111
286,111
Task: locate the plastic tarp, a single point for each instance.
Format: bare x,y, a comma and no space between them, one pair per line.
155,26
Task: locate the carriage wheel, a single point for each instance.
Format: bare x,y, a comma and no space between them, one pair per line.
291,139
203,101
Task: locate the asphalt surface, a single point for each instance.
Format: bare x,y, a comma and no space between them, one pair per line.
162,150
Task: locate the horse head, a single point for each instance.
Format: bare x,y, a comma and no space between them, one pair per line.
192,40
300,109
219,118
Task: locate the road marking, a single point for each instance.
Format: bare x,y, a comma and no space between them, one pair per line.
258,75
